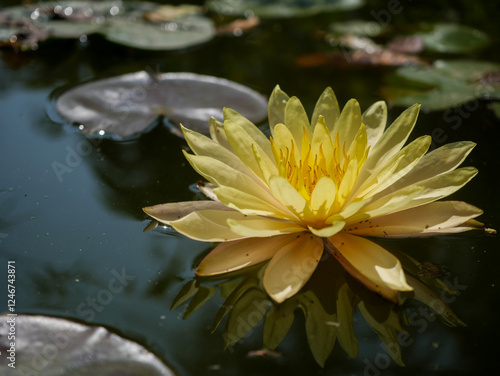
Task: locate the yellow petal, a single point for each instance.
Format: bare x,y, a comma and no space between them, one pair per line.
262,227
348,124
296,119
217,133
244,144
439,161
321,140
390,143
435,218
248,204
400,165
432,189
288,196
347,183
375,120
323,197
208,225
328,231
173,211
327,107
376,268
239,254
276,107
291,267
204,146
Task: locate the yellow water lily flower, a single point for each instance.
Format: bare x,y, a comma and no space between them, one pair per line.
316,185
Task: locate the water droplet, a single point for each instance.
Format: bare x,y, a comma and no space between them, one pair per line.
68,11
81,127
13,39
114,10
77,280
83,38
35,14
101,133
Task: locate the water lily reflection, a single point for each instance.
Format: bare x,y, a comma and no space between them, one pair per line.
328,301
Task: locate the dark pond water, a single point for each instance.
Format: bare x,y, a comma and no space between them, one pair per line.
70,234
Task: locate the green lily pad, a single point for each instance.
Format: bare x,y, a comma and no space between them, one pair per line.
281,8
48,346
443,85
182,32
357,27
453,38
131,104
130,24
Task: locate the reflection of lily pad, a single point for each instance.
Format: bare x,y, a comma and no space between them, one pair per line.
48,346
130,24
281,8
453,38
127,105
443,85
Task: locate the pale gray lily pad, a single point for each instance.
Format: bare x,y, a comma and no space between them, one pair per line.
182,32
453,38
128,105
443,85
47,346
280,8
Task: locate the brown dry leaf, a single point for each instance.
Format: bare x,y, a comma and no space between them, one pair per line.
239,26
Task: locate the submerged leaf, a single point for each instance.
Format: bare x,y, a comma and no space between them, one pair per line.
127,105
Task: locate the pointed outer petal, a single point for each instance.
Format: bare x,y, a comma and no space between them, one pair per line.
387,205
208,225
390,143
250,205
326,232
262,227
267,167
401,164
439,161
282,137
292,266
246,148
207,189
221,174
375,120
204,146
371,264
328,107
323,197
348,211
296,119
433,300
358,146
166,213
321,139
432,189
348,123
276,107
426,220
348,182
286,194
239,254
218,134
232,118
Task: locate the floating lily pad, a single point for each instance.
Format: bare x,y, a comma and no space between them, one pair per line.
281,8
48,346
443,85
131,24
453,38
182,32
128,105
